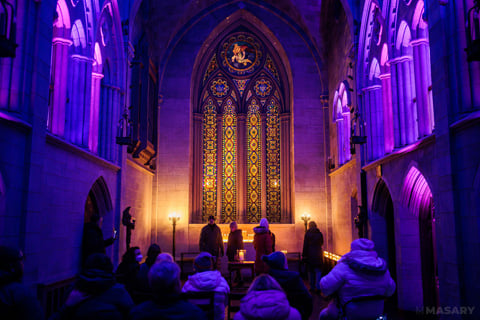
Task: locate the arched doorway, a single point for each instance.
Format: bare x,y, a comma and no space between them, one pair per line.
417,197
383,229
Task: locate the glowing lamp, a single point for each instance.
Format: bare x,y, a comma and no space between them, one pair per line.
305,217
7,30
173,217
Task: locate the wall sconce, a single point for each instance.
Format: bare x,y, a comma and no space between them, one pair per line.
7,30
124,130
173,217
305,217
473,32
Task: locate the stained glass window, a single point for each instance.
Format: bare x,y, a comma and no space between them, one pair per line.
209,160
273,162
229,190
254,163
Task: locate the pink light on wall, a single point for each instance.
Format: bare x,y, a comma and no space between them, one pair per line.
416,193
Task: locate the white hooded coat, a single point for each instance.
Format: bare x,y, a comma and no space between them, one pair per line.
208,281
359,273
266,305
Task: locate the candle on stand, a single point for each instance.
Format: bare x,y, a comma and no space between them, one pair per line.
241,255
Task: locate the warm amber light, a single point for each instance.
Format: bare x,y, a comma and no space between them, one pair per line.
174,217
305,217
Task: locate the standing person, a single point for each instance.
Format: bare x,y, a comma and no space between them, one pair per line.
92,241
359,273
129,222
164,279
16,300
235,243
313,255
211,240
263,244
208,280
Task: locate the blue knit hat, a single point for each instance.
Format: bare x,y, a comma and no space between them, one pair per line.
203,262
276,260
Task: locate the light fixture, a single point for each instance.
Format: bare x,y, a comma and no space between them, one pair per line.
7,30
124,130
305,217
473,32
173,217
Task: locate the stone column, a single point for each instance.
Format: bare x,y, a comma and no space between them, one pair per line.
95,112
197,180
387,112
285,164
241,168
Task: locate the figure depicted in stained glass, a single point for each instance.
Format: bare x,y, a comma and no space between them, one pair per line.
239,54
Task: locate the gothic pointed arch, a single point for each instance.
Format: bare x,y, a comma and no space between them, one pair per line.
241,113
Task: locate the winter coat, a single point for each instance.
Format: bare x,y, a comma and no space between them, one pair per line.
267,305
211,240
358,273
171,308
235,242
17,301
93,241
312,248
208,281
96,295
127,275
297,294
262,242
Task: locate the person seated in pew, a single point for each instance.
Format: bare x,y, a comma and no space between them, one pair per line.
359,273
206,279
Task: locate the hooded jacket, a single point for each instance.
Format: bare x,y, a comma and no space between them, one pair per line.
262,242
359,273
208,281
267,305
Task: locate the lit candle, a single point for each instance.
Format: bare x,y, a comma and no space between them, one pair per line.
241,255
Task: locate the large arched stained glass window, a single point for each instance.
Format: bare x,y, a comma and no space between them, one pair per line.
240,104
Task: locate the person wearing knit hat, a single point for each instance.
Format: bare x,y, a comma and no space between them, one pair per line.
291,282
207,280
359,273
17,301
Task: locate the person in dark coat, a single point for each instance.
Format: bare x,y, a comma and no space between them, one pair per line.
92,241
129,222
291,282
164,279
128,269
211,240
96,295
263,244
313,255
235,241
143,288
16,300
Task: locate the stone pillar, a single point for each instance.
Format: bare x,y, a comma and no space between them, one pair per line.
387,112
95,112
59,77
197,181
373,116
285,165
241,168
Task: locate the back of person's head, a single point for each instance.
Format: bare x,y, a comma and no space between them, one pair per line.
312,225
95,217
264,223
264,282
164,256
276,260
97,274
233,226
164,278
362,244
11,262
203,262
130,256
152,254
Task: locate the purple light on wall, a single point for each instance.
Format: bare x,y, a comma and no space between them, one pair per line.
416,193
